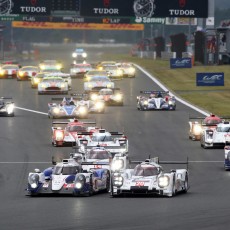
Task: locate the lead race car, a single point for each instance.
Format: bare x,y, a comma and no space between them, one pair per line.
70,133
211,138
148,177
67,177
66,109
6,107
115,142
157,100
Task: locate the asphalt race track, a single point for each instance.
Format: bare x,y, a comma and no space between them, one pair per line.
26,144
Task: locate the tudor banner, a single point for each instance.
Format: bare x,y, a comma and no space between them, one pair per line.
144,8
76,26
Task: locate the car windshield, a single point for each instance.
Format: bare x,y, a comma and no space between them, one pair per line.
65,170
102,138
100,78
106,92
223,129
145,170
10,67
76,128
212,121
111,67
53,80
97,72
29,68
98,154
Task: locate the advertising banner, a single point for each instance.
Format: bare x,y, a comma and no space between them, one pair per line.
210,79
76,26
144,8
180,63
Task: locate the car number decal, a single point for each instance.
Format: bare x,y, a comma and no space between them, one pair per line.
140,183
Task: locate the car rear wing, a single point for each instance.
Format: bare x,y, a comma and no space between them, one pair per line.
6,98
112,149
153,92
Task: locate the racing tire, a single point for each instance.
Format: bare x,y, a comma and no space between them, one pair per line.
91,192
186,184
107,190
173,188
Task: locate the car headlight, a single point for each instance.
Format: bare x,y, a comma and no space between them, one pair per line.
63,85
84,55
36,80
90,85
145,102
80,181
117,165
59,135
2,72
82,110
132,70
10,108
78,185
56,110
43,86
74,55
109,85
118,97
33,180
59,66
99,105
93,97
163,181
20,73
117,180
119,72
197,129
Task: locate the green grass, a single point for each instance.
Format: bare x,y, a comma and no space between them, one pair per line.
215,99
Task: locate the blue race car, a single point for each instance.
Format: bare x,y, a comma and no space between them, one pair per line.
67,177
67,109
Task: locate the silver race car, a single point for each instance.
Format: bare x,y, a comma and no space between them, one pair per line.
148,177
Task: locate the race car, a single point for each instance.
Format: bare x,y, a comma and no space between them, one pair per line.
100,157
6,107
27,72
115,142
79,54
35,80
53,85
9,71
148,177
54,65
227,155
94,106
109,96
128,69
215,137
98,82
79,70
102,64
66,109
202,123
94,72
67,177
157,100
70,133
65,76
114,71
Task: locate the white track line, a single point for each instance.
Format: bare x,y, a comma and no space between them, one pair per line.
33,111
166,89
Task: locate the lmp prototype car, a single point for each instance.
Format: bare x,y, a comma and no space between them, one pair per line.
67,177
53,85
27,72
6,107
9,71
215,137
98,82
148,177
128,69
114,142
79,70
199,124
71,133
67,109
109,96
157,100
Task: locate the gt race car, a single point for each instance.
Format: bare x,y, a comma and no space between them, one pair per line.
198,124
9,71
50,65
70,133
53,85
79,70
156,100
211,138
109,96
128,69
66,109
115,142
6,107
67,177
149,178
94,72
98,82
27,72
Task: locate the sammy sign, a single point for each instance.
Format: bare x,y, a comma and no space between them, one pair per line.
180,63
210,79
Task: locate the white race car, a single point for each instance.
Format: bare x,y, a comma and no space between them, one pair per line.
148,177
215,137
114,142
128,69
79,70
